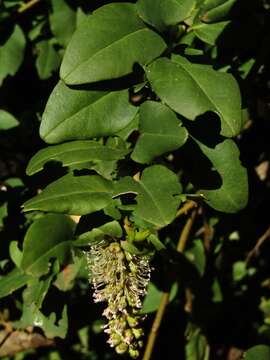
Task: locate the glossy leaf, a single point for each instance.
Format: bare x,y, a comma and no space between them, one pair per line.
48,237
112,229
11,53
12,281
257,352
216,13
107,45
232,196
192,89
62,21
164,13
210,33
74,153
7,120
74,195
156,190
160,130
47,60
82,114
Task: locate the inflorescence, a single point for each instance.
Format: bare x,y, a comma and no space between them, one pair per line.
121,280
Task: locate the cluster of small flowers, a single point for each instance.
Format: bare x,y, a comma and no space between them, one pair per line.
120,279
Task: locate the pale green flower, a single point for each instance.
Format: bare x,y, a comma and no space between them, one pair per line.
121,280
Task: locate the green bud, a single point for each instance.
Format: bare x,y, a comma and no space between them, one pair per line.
141,235
121,348
128,335
132,321
138,332
134,353
115,339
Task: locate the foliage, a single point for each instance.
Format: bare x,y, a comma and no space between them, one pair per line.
134,124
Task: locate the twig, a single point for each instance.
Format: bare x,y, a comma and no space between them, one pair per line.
17,341
27,6
259,243
165,297
185,209
185,232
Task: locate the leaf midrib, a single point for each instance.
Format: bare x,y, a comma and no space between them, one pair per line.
67,195
196,81
76,113
46,159
105,48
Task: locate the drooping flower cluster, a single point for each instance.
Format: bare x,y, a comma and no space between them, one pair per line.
121,280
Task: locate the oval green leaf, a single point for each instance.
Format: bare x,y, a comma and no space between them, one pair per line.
48,237
13,281
74,153
7,120
161,132
74,195
107,45
191,90
259,352
164,13
12,53
47,60
156,190
82,114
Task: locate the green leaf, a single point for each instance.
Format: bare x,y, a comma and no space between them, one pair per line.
232,196
65,279
191,90
156,242
107,44
62,21
3,213
12,281
154,296
47,60
156,190
74,153
36,291
239,270
209,33
12,53
82,114
161,132
196,346
216,13
164,13
74,195
258,352
7,120
196,256
48,237
112,229
48,324
15,253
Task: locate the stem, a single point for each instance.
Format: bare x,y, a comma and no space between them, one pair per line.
165,297
27,6
259,243
185,232
184,209
155,326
